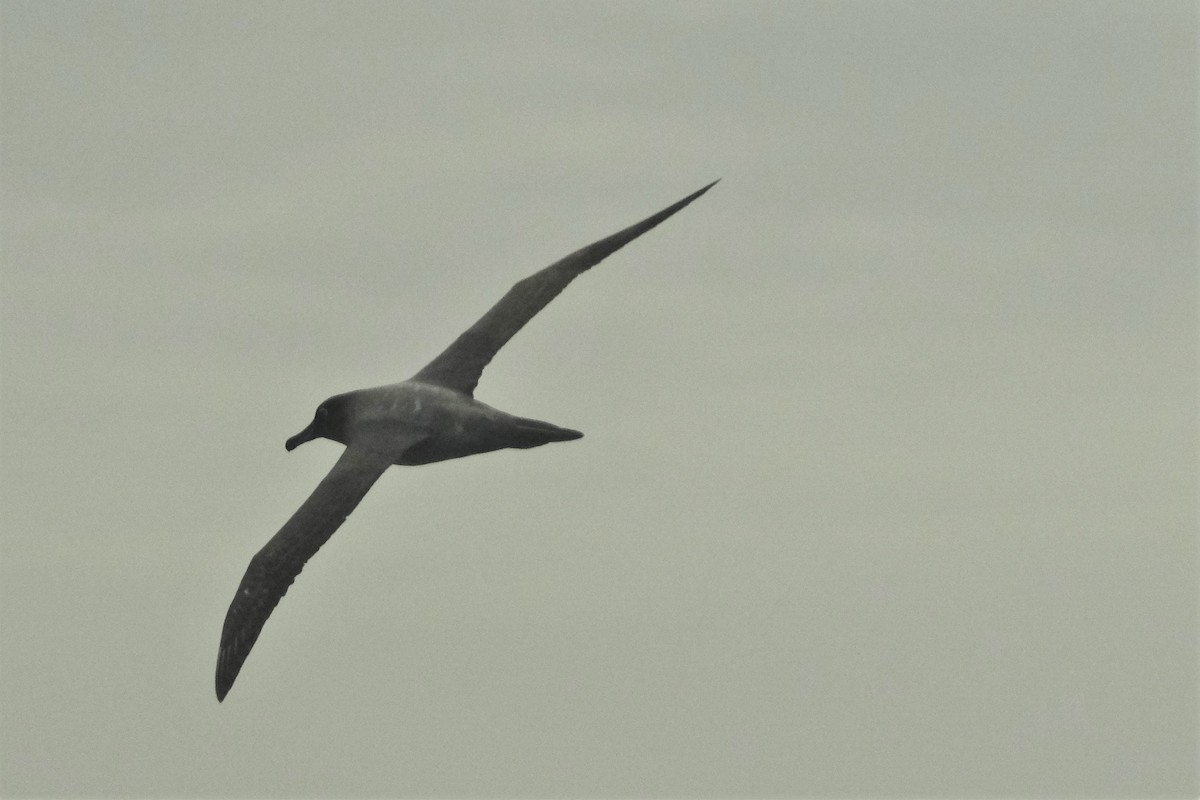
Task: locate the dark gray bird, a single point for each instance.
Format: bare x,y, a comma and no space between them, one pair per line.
430,417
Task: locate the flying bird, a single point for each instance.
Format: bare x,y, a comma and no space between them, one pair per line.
432,416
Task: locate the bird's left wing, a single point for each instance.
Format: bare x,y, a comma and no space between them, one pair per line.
458,366
273,568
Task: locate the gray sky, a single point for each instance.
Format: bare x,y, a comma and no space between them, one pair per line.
888,483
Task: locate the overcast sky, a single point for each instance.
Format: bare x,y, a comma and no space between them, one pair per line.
888,483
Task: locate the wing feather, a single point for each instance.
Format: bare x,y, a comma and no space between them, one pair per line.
460,365
274,567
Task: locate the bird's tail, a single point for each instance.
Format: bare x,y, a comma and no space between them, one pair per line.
532,433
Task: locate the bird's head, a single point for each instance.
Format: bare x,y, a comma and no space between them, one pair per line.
329,422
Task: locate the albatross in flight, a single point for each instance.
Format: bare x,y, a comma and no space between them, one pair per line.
430,417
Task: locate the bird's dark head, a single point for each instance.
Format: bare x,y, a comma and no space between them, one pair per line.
329,422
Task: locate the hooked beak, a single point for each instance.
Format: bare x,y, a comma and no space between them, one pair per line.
306,435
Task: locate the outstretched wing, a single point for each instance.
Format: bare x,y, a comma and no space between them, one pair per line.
273,568
459,365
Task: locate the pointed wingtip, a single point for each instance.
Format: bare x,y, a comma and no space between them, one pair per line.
228,668
685,201
224,683
699,192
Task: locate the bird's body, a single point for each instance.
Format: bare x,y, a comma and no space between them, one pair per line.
431,417
414,422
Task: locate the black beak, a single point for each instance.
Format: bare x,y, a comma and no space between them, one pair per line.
306,435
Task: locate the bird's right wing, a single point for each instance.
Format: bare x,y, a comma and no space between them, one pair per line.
459,365
274,567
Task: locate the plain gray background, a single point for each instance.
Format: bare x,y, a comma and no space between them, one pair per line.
888,486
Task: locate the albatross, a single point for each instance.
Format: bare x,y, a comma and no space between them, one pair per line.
432,416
